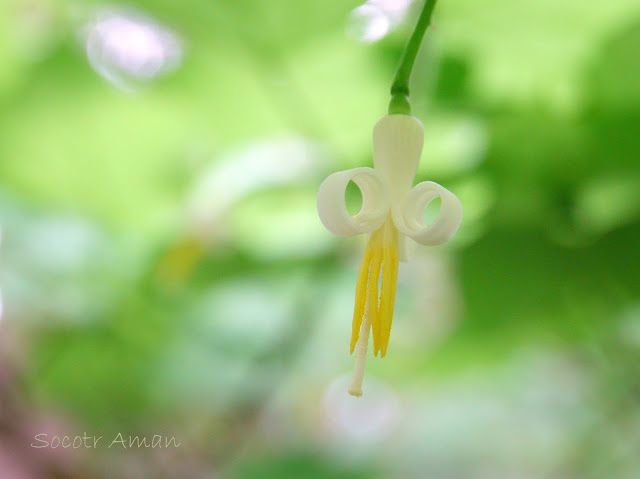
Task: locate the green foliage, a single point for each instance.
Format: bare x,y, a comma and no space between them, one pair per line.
141,301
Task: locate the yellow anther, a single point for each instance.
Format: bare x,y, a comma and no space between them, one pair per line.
381,256
373,310
372,288
361,296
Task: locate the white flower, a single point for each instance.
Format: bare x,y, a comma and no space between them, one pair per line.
391,211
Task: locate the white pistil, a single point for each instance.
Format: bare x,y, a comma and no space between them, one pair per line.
355,388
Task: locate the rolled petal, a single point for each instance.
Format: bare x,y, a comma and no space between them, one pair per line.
409,217
332,208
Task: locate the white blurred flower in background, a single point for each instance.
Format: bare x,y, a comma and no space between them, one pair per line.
367,420
126,46
374,19
225,201
57,267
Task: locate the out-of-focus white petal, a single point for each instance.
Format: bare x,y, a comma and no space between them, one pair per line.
375,202
409,220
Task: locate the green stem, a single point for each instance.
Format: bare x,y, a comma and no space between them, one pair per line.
400,87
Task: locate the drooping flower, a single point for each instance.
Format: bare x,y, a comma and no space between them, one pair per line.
391,211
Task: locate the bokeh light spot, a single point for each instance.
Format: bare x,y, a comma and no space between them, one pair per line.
126,46
374,19
368,419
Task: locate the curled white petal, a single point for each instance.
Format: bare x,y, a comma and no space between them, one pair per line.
333,210
409,217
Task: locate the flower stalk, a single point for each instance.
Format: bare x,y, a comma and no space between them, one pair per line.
400,87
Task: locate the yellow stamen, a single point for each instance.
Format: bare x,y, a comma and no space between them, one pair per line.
374,306
361,295
389,282
372,289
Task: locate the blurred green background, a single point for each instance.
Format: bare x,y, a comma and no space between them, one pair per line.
164,271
